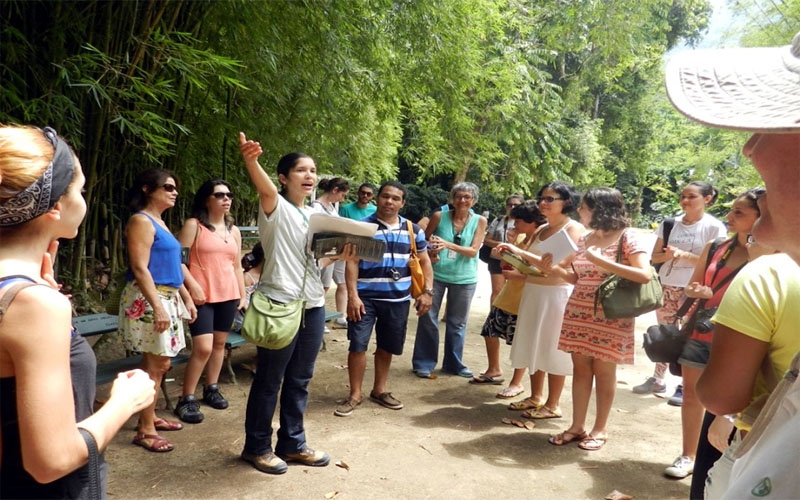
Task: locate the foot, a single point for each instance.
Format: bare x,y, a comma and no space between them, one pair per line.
422,374
340,323
309,457
486,379
677,398
152,442
162,424
592,443
386,399
465,372
650,386
509,392
542,413
680,468
188,410
213,398
346,408
566,437
267,462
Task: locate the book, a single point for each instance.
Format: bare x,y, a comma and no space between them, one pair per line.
327,236
560,245
520,265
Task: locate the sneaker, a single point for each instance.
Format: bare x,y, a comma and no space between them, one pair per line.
188,410
340,322
386,399
267,462
677,398
326,330
650,386
309,457
213,398
346,408
680,468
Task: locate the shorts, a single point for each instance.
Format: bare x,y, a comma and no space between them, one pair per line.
326,276
500,324
338,272
695,354
390,320
214,317
495,266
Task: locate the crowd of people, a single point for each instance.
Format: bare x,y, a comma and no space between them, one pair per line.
742,289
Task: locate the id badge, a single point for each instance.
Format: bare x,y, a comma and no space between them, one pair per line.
451,254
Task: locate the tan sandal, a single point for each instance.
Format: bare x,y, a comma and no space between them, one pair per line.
541,413
525,404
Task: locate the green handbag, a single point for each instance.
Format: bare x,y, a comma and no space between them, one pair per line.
270,324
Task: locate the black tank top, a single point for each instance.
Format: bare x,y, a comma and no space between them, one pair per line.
15,482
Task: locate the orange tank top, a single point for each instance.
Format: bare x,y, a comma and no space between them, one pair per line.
212,264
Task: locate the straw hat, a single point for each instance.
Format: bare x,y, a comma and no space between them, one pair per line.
750,89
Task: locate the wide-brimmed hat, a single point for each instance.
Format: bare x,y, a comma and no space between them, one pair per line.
750,89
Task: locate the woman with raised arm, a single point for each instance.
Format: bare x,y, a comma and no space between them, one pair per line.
47,370
154,302
289,273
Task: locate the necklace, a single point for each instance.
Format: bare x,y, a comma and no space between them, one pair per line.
225,232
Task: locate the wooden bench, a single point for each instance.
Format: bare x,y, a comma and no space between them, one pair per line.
235,340
91,325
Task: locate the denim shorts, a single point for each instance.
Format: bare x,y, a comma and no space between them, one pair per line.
390,320
216,317
695,354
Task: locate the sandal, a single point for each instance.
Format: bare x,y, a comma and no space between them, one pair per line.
157,443
590,443
162,424
508,393
541,413
561,439
525,404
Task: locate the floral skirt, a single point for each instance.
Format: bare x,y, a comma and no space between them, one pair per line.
136,321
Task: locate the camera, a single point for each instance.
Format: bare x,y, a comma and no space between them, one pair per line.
702,320
394,274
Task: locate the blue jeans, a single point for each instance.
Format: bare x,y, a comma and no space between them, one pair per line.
293,367
426,345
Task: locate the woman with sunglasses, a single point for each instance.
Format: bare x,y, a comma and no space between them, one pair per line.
47,370
455,236
155,301
215,281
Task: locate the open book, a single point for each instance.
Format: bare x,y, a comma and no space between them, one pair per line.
327,236
520,265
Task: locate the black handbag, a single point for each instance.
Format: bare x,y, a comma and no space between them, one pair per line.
485,253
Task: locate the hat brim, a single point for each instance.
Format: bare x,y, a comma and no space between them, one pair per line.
750,89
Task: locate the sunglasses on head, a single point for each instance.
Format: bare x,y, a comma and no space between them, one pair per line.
219,195
170,188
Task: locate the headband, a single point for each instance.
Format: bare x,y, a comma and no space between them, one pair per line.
43,194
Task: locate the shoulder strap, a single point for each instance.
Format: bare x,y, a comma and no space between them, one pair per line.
412,237
669,223
11,293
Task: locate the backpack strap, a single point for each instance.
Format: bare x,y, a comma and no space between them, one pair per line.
15,288
669,223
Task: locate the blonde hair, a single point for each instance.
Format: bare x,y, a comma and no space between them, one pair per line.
25,153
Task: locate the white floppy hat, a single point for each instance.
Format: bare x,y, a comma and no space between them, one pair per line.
750,89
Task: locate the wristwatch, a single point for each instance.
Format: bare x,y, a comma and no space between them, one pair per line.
429,291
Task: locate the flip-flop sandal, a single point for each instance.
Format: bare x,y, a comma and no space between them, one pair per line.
525,404
541,413
162,424
561,438
590,443
486,379
508,393
157,443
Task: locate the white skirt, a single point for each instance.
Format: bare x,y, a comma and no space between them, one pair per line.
535,346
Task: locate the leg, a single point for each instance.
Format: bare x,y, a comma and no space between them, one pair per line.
706,456
537,385
217,357
605,373
555,385
202,346
582,381
426,343
498,280
493,355
383,361
691,411
341,298
356,366
155,366
459,298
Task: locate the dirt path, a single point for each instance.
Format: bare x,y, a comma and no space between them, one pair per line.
448,441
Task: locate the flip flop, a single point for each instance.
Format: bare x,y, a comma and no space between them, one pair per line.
508,393
162,424
560,439
525,404
157,443
486,379
590,443
541,413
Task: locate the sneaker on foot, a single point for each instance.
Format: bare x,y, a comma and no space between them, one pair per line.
651,385
680,468
340,322
386,399
267,462
677,398
188,410
308,457
213,398
346,408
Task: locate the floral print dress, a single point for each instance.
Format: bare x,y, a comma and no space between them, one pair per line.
136,322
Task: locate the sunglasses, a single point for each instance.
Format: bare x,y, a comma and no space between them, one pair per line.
512,205
366,193
170,188
457,239
548,199
219,195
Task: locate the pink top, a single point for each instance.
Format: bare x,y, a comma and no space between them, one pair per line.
212,262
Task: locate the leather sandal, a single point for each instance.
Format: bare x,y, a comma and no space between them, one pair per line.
162,424
157,444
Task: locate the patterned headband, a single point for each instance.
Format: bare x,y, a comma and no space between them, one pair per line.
43,194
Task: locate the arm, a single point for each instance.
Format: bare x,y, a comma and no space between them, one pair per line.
487,239
638,271
433,223
661,253
187,237
51,444
474,247
423,302
726,385
141,235
267,191
696,289
238,272
355,307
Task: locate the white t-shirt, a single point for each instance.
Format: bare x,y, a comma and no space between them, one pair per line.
283,236
689,238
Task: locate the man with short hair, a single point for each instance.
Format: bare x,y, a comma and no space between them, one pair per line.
379,295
